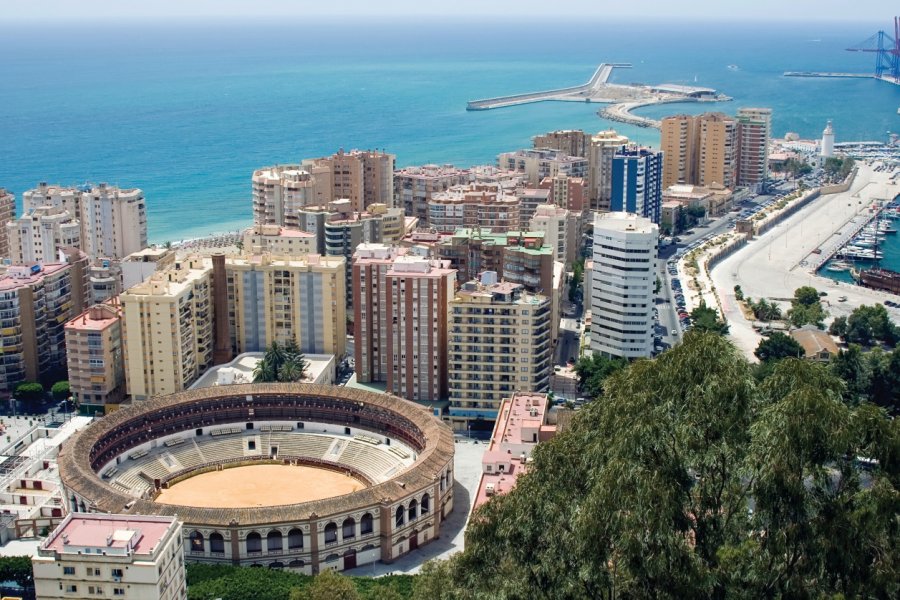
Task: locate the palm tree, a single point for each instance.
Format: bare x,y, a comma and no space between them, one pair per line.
281,363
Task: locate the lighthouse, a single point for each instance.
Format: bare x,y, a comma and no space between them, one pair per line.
828,141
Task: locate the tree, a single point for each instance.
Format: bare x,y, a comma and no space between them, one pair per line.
806,308
593,370
18,569
29,392
851,367
328,585
764,310
738,293
868,324
281,363
778,346
884,379
704,318
651,488
60,390
577,278
838,327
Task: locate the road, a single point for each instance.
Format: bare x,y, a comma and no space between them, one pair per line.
771,266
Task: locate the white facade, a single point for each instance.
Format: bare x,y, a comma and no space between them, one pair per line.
623,279
114,221
37,236
554,222
279,192
828,141
112,556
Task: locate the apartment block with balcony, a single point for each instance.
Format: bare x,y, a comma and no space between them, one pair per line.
474,206
573,142
538,164
699,150
604,146
138,266
529,200
567,192
362,177
281,191
113,221
7,214
560,229
112,556
35,303
623,279
168,329
754,135
414,187
96,358
38,235
286,298
500,343
400,323
275,239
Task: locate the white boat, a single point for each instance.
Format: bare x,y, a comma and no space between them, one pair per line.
838,266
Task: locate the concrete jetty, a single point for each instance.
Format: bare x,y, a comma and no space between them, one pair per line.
837,75
598,89
583,93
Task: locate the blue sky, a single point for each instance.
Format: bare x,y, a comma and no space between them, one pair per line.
769,10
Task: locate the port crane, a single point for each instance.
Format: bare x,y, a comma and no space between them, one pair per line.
887,50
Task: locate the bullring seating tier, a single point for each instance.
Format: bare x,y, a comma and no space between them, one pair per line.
378,462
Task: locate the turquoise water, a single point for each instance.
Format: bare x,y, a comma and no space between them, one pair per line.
187,112
890,249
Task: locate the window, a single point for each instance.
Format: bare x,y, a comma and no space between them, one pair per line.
399,516
365,524
331,533
68,570
118,591
117,573
196,542
254,542
71,588
295,539
274,541
348,528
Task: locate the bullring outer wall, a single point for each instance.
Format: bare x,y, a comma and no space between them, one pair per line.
231,535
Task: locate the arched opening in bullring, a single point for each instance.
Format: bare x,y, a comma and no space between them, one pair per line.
295,539
274,541
254,542
196,542
216,543
348,529
366,524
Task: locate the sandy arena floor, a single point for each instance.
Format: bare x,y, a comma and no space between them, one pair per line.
259,485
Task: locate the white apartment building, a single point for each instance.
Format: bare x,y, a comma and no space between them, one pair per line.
37,236
112,556
622,284
558,229
113,221
280,191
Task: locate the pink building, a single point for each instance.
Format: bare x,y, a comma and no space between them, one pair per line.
522,423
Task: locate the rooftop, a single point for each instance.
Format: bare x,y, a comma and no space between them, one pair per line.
814,342
81,532
21,276
623,222
521,424
240,370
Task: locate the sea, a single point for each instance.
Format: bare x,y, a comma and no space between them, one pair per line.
187,110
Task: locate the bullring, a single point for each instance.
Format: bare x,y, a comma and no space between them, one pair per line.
401,457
